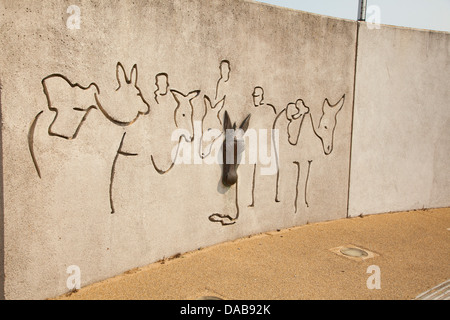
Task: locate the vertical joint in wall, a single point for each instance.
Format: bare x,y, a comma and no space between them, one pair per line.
2,207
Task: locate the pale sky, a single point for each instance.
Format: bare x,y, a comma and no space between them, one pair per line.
422,14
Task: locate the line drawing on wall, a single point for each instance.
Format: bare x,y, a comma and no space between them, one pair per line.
31,142
183,118
162,86
294,114
225,71
113,169
327,124
290,121
214,112
265,111
72,103
258,99
85,103
69,115
127,95
184,112
177,112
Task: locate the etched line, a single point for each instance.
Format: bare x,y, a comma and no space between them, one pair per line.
306,183
296,185
165,78
253,187
54,109
225,70
277,155
217,217
113,172
132,80
162,172
31,142
326,132
184,101
209,108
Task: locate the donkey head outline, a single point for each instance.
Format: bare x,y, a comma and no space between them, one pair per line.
184,112
127,102
327,124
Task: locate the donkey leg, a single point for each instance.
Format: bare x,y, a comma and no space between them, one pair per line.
31,143
297,164
302,183
253,187
306,183
113,171
303,175
277,187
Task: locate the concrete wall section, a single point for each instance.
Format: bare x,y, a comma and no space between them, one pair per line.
2,212
87,166
401,135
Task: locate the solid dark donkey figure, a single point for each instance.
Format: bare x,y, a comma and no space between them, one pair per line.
232,147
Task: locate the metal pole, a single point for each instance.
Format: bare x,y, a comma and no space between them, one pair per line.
362,9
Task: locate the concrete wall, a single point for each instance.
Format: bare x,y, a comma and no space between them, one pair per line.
88,116
401,134
84,164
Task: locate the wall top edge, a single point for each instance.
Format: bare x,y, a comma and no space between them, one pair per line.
255,2
297,11
389,26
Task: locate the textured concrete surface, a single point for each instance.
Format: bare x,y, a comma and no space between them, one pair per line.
401,134
88,116
412,250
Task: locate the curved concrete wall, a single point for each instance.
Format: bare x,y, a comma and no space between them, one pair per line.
112,132
401,135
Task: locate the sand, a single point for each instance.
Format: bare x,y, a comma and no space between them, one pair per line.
410,249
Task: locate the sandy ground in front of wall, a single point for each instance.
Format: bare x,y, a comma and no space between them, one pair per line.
411,250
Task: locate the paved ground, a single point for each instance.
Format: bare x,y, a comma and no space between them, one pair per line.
411,250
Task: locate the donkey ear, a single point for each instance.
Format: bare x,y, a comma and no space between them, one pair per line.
227,122
336,107
220,103
207,102
245,123
120,74
192,95
134,75
340,104
177,95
